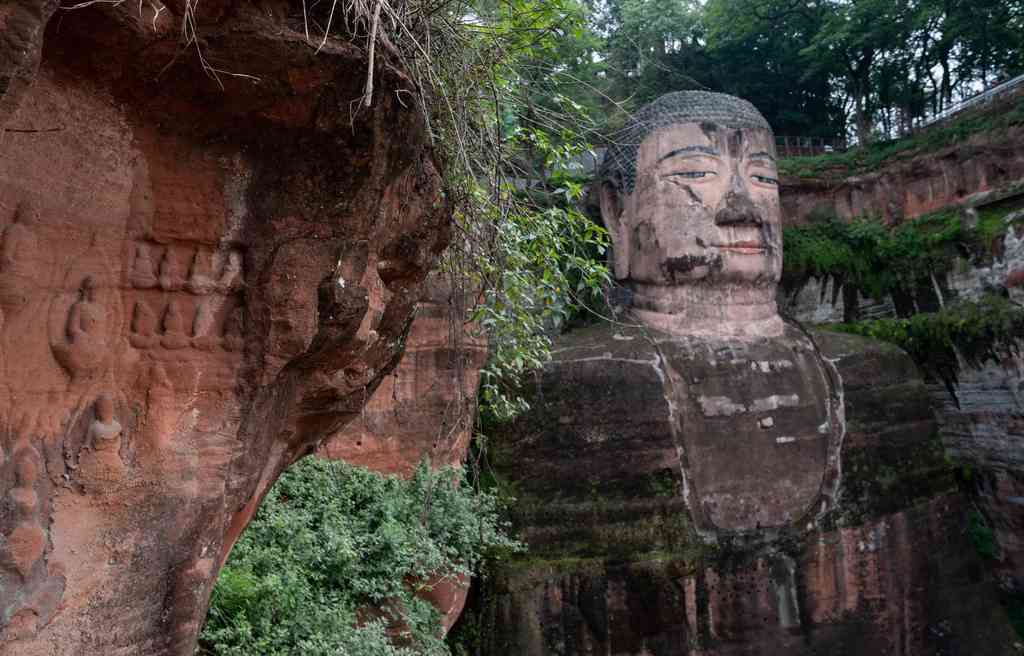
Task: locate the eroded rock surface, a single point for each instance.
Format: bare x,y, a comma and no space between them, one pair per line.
982,426
197,286
426,406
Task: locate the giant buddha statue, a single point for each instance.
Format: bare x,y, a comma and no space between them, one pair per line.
690,196
702,476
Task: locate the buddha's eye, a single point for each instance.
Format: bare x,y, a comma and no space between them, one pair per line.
763,179
691,175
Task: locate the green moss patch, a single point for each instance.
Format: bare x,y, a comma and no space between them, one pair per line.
875,258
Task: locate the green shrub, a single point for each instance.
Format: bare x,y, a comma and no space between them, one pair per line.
871,256
1014,604
331,562
968,332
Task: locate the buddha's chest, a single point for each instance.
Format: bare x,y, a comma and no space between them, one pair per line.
756,429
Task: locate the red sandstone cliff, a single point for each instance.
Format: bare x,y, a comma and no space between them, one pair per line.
197,285
426,405
912,184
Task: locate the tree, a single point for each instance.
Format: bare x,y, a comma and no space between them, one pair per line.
654,46
757,49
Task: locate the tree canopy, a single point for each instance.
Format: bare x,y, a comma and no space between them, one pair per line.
871,68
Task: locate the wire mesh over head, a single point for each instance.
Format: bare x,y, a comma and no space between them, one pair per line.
619,164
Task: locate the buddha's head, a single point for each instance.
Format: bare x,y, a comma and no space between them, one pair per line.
689,193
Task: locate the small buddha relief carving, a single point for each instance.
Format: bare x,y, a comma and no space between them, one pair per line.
26,541
174,336
84,348
204,333
201,280
170,276
19,252
231,275
31,584
101,460
143,274
143,330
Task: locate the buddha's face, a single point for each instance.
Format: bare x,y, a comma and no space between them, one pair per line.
705,209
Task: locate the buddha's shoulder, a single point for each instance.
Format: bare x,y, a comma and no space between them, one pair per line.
865,362
616,347
606,355
607,343
603,341
603,374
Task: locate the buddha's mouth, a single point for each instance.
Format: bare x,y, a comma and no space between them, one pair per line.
743,247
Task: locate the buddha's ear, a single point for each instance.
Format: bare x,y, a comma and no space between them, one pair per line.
612,207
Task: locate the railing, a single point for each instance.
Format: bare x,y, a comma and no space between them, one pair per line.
805,146
977,100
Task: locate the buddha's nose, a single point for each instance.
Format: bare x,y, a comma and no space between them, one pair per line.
738,209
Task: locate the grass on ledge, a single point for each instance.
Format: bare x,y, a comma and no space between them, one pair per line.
873,156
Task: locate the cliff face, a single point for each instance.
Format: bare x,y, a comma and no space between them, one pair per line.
635,468
425,407
197,286
981,418
982,427
906,188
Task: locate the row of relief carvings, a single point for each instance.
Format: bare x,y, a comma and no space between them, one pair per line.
84,346
214,273
174,331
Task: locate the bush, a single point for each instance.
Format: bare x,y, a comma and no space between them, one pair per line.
874,258
968,332
331,562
